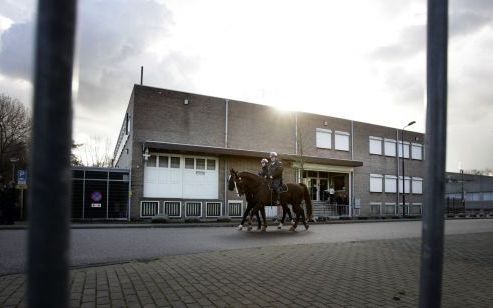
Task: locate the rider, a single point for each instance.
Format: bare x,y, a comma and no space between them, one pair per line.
265,168
275,175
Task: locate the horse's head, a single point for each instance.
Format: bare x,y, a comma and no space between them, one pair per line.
233,175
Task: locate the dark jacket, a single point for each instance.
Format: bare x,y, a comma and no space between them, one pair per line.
275,170
264,172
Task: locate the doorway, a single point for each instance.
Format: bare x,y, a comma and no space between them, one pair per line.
331,187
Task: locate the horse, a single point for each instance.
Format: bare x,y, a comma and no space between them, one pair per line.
251,204
249,183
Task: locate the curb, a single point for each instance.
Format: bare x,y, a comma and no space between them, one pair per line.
25,226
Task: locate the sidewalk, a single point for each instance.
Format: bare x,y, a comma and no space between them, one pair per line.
21,225
356,274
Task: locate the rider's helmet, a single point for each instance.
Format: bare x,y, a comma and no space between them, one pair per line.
273,155
264,161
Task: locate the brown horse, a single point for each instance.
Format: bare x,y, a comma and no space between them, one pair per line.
257,187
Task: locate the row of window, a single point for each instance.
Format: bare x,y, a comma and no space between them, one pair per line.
191,209
324,139
165,161
388,184
472,196
387,147
390,208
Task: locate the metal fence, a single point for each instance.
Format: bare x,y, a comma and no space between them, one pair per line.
48,242
100,194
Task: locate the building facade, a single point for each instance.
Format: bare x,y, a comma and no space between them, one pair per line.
468,192
180,147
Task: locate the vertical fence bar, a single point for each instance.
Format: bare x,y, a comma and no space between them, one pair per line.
49,201
436,133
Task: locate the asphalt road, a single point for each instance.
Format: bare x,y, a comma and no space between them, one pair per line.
100,246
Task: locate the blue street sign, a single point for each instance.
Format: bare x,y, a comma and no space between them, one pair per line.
21,177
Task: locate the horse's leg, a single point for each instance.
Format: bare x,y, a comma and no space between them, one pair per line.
262,212
259,223
249,207
296,209
305,221
285,210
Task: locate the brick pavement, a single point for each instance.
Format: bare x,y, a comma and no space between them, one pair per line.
356,274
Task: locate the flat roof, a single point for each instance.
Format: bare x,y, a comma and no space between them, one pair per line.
181,147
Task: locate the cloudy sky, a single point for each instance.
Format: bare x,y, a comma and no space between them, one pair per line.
357,59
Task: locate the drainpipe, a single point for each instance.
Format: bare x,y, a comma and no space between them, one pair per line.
226,124
398,171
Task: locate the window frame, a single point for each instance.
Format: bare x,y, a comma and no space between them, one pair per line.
323,131
376,176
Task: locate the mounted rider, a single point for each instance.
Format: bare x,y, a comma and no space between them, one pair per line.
265,168
275,175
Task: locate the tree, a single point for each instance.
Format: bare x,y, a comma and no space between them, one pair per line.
97,153
15,131
74,158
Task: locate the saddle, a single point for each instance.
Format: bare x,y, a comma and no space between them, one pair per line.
283,189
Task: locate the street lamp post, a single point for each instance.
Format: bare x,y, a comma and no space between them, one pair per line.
13,160
403,175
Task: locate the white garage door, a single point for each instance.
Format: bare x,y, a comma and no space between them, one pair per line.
178,176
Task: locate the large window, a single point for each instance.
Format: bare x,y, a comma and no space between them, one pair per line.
406,149
376,145
376,182
341,141
389,147
390,184
407,184
324,138
416,151
417,185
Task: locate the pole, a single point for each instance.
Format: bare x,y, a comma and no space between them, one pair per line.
49,201
436,136
403,177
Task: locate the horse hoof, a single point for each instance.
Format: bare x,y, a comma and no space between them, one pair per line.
292,228
249,229
264,229
279,226
240,227
306,227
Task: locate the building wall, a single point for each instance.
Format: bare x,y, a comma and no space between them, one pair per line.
162,115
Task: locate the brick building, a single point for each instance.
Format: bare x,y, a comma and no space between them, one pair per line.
180,146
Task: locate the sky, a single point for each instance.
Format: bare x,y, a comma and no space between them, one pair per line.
355,59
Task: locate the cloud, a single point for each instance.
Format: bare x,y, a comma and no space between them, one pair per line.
411,41
16,51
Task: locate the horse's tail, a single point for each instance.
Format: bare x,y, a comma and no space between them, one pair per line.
308,201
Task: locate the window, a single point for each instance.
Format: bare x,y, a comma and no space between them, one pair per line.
487,196
189,163
389,147
172,208
324,138
475,196
416,151
390,184
127,124
149,208
193,209
200,163
406,149
375,208
163,161
417,186
341,141
376,145
407,183
376,183
151,161
235,208
211,164
213,209
389,208
175,162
